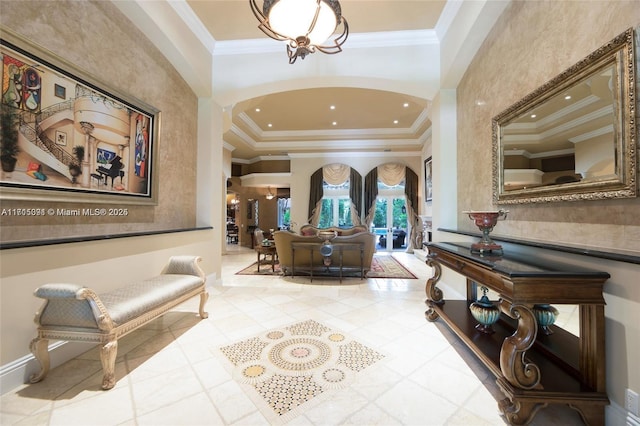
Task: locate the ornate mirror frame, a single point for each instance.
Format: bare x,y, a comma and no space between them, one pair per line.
618,55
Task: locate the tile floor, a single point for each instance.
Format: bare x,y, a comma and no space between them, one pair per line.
169,372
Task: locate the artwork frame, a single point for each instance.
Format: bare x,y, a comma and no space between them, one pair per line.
133,132
59,91
428,179
61,138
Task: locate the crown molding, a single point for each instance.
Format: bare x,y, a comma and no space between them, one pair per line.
182,8
355,41
354,154
333,133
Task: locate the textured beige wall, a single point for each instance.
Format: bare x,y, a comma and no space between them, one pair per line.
97,38
532,42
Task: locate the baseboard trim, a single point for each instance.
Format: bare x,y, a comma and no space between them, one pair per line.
17,373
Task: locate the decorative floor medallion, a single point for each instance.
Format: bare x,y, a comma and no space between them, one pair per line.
291,367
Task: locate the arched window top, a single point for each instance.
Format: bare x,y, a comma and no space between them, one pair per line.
336,174
391,175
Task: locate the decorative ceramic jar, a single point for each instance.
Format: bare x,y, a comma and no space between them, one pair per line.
326,250
485,312
545,317
485,221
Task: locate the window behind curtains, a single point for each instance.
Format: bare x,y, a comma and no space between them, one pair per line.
335,197
335,208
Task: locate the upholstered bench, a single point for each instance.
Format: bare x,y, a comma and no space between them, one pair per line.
75,313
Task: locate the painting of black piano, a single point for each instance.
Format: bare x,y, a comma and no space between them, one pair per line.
109,139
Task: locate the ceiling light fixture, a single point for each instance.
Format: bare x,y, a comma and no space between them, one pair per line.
270,195
235,202
304,24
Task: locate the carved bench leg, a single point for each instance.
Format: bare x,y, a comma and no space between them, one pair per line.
108,354
40,349
204,296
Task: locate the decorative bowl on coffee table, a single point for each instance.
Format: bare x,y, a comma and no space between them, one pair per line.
485,221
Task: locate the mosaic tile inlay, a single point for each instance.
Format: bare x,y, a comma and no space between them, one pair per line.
291,366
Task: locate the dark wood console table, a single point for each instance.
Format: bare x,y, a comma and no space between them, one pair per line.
532,369
339,248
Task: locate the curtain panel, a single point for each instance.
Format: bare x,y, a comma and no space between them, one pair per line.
370,195
413,220
355,193
315,194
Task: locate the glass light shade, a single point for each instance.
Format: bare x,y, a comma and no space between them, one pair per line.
293,18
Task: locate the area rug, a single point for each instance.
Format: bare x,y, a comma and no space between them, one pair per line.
288,370
387,266
382,266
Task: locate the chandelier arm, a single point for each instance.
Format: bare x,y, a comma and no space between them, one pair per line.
315,18
338,41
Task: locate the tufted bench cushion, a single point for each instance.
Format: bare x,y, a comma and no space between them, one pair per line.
76,313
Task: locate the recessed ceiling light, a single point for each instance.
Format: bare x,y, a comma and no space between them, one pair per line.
533,116
395,121
257,109
332,107
334,123
406,105
270,125
567,97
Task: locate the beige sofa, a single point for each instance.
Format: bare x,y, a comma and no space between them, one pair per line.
312,230
303,257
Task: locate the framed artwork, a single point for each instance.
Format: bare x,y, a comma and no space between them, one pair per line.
428,180
90,142
61,138
60,91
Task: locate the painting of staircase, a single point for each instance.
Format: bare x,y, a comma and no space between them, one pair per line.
72,135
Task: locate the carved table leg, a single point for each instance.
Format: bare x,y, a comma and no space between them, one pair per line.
518,412
40,349
108,354
514,366
204,296
434,294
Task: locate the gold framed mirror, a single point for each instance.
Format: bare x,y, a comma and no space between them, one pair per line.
574,138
